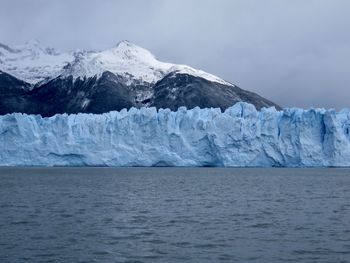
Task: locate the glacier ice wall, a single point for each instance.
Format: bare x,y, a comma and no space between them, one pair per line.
240,136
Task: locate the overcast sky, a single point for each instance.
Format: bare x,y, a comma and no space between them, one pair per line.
293,52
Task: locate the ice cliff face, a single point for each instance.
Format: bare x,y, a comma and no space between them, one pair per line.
240,136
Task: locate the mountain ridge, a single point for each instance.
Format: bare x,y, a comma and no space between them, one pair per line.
125,57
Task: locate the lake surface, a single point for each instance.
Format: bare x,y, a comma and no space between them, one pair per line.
174,215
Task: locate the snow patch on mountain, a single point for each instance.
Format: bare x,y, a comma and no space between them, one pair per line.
183,69
240,136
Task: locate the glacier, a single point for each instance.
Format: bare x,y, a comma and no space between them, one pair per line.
240,136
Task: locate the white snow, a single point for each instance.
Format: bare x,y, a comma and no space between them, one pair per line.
34,63
240,136
85,103
126,59
183,69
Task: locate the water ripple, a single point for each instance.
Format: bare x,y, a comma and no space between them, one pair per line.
174,215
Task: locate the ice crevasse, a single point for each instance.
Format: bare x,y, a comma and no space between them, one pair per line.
240,136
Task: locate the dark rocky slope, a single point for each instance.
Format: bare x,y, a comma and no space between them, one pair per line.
109,92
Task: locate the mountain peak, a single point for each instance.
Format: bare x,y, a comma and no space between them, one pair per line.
128,50
125,59
33,42
125,43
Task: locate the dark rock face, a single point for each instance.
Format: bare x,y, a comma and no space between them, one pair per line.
178,90
92,95
109,92
12,94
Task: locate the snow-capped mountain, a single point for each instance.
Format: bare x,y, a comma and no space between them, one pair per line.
123,76
33,62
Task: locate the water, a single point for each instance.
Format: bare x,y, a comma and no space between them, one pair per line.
174,215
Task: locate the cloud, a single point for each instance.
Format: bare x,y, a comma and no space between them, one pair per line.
296,53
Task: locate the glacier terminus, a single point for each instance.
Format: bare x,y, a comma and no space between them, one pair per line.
240,136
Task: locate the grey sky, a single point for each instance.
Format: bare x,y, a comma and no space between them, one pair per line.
295,52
